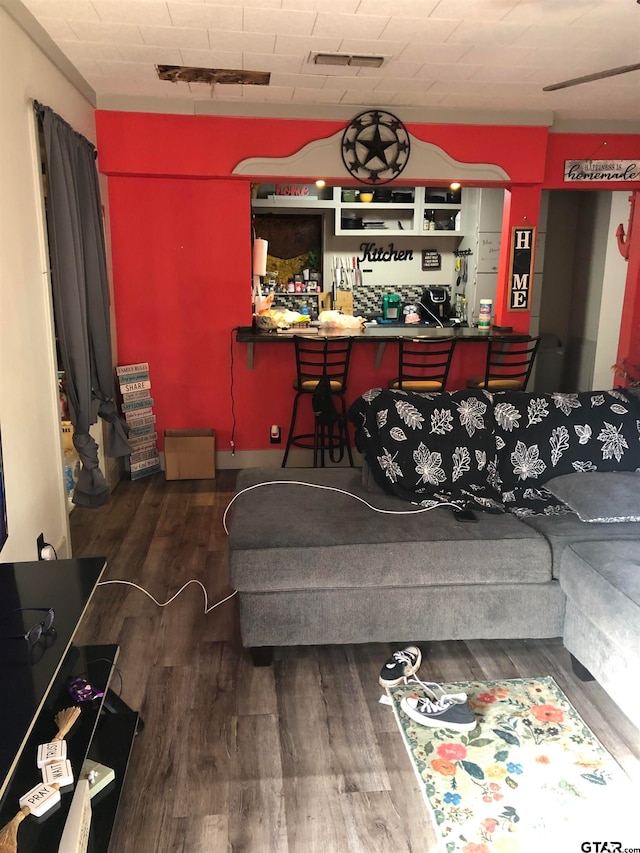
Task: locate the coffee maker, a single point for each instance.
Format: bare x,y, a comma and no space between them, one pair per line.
391,307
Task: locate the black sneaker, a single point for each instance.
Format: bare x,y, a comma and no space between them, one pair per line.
448,711
400,665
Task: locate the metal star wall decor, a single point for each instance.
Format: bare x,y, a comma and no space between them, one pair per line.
375,147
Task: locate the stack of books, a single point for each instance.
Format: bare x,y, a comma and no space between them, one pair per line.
137,409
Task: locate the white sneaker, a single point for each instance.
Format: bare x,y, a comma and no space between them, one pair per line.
435,691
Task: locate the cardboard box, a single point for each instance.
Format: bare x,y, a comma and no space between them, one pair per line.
67,436
189,454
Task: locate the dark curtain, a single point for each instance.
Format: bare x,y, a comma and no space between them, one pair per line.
81,297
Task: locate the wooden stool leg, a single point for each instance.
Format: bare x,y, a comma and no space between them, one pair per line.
294,414
345,425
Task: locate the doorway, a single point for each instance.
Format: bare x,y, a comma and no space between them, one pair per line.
582,291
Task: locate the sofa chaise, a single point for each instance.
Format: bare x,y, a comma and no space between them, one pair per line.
474,516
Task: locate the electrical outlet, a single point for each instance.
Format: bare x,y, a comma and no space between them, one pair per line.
40,543
275,434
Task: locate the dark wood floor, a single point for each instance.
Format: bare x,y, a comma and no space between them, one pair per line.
297,757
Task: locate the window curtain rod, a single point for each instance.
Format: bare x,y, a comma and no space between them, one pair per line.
40,111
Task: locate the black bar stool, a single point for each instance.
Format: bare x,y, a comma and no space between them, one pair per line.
322,367
423,364
509,363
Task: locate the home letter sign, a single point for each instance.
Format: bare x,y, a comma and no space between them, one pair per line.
522,254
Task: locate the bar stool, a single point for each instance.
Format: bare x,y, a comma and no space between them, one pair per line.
509,363
322,362
423,364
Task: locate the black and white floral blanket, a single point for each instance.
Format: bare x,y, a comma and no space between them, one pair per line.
543,436
493,451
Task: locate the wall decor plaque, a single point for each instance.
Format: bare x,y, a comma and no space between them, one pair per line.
375,147
594,171
431,260
523,242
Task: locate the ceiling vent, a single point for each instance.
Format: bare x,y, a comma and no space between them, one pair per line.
211,76
348,59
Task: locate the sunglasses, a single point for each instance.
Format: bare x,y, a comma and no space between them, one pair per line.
34,634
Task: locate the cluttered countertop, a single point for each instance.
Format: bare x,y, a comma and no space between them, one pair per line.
368,332
429,317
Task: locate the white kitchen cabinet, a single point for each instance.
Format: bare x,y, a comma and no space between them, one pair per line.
389,214
393,211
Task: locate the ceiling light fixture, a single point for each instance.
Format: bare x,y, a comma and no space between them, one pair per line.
348,59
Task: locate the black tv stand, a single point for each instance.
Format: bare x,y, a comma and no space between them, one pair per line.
114,704
36,686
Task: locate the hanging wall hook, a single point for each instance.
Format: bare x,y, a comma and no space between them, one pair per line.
624,242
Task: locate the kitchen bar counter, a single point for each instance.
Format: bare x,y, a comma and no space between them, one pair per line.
380,334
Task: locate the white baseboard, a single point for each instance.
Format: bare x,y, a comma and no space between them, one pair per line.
298,458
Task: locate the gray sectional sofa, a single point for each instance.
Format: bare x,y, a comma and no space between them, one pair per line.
385,553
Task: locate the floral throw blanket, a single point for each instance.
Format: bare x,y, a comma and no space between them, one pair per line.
493,451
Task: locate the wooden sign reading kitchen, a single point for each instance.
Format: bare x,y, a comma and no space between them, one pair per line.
521,277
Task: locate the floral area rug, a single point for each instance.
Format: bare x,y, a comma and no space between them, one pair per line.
530,776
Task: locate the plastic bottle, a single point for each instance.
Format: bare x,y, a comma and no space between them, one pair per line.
484,317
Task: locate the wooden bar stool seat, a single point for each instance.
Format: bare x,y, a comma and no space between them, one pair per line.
423,364
509,363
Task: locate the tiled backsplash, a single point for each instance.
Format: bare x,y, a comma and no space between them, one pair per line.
293,301
367,301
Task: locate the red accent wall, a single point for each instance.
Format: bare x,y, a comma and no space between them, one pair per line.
182,277
180,231
588,146
197,146
521,151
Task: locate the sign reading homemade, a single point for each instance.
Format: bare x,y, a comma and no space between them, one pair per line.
522,252
592,171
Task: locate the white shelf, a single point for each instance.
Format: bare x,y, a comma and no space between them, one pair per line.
410,213
362,207
294,202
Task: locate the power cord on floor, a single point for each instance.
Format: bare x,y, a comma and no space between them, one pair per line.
207,608
232,441
332,489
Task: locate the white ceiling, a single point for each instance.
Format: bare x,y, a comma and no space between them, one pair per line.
475,57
